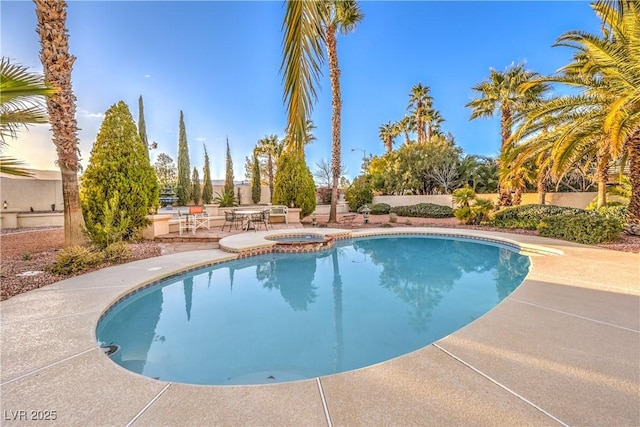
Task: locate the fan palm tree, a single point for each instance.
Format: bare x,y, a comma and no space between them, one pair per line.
405,125
270,147
338,16
420,101
21,104
57,63
388,133
506,93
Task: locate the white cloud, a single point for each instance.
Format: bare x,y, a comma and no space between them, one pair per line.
201,139
89,114
146,76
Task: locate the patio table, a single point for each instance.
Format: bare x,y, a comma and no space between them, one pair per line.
246,213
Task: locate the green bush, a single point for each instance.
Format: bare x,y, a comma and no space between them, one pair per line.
226,200
584,228
294,184
112,227
380,209
118,252
359,193
74,259
529,216
617,212
471,209
424,210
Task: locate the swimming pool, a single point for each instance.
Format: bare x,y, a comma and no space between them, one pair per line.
283,317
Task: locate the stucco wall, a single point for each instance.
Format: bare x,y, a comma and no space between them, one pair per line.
22,194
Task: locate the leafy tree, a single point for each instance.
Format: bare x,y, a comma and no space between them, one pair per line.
166,171
228,179
256,189
507,93
294,185
119,166
183,188
359,193
142,127
57,64
196,190
207,189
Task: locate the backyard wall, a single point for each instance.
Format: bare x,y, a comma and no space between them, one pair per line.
570,200
38,192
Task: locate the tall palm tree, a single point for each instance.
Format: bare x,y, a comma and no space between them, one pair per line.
21,104
388,133
507,93
270,147
405,125
57,63
420,101
338,16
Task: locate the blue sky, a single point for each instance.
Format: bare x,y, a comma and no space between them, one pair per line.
219,63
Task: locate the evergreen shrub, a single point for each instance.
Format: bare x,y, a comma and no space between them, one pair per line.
75,259
586,228
358,193
118,252
380,209
294,186
529,216
424,210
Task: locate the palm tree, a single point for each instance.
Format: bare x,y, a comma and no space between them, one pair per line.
270,147
421,102
338,16
507,93
21,96
388,132
405,125
604,118
57,63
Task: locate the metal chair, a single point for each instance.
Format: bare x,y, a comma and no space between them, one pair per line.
231,218
265,214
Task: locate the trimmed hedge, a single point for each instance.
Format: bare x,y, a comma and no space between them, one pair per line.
587,228
380,209
424,210
529,216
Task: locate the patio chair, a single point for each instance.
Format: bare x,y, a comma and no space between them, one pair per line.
201,217
265,218
186,222
255,220
231,218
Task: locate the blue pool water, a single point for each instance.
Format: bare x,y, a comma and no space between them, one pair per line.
283,317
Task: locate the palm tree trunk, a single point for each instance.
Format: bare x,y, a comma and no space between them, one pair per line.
406,138
505,134
633,217
57,63
336,102
602,174
541,185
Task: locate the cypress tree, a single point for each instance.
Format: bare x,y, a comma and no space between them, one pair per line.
255,180
142,127
196,192
183,189
118,166
228,180
207,189
294,184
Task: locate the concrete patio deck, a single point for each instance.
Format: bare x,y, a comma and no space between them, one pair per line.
563,348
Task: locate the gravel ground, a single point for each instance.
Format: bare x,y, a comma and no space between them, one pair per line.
25,253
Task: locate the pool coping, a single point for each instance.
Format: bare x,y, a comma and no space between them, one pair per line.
512,365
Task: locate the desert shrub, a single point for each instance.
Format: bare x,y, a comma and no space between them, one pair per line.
584,228
118,252
359,193
74,259
529,216
424,210
380,209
